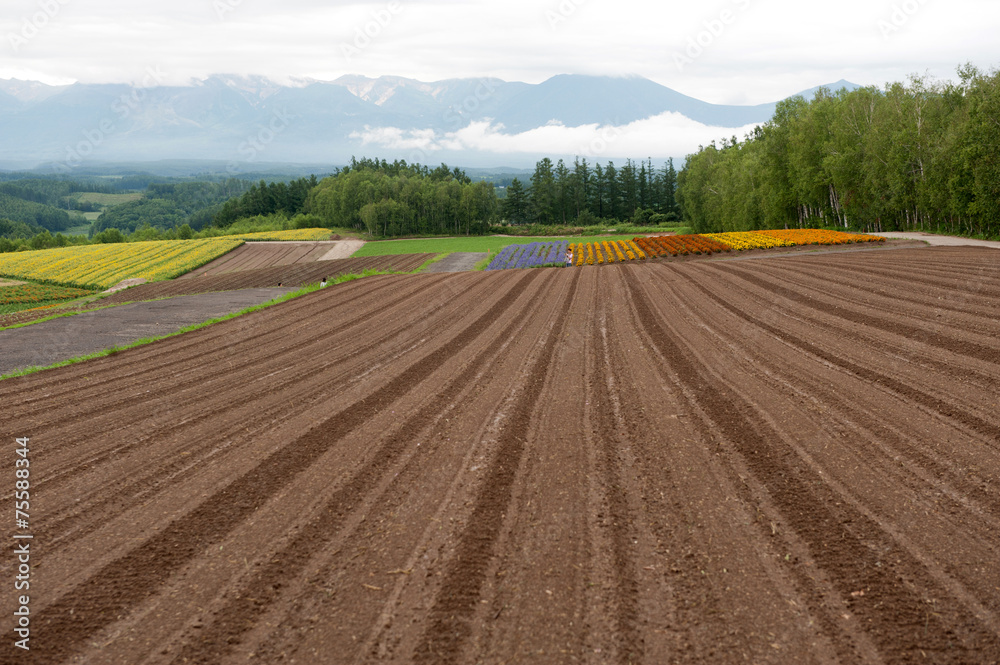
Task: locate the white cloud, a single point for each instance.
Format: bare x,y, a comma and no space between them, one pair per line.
661,136
770,48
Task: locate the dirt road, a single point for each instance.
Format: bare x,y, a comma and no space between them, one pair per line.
788,461
939,240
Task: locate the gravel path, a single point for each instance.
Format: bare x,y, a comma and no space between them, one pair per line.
457,262
946,241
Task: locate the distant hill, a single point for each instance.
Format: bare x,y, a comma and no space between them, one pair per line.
244,121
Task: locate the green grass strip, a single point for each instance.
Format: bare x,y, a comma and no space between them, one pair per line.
477,244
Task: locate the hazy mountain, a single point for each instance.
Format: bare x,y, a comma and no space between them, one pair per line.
247,120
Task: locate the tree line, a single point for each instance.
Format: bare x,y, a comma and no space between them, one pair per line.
393,199
919,155
266,199
586,195
170,205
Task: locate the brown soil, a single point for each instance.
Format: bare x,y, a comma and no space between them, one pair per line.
774,461
253,255
300,274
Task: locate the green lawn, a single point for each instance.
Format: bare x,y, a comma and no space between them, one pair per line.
470,244
107,199
82,229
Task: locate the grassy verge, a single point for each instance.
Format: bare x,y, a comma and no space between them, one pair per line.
432,261
570,231
481,265
488,244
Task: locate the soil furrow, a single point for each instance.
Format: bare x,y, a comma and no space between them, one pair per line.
959,346
989,430
607,416
248,603
288,398
839,538
138,575
456,600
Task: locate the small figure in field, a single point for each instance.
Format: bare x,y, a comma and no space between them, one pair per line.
323,283
569,256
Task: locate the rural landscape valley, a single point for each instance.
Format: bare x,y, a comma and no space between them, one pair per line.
527,333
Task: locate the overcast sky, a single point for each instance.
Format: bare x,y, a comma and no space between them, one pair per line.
727,51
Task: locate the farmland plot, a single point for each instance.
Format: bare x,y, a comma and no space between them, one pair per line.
783,460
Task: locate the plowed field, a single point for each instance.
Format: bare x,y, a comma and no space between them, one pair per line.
299,274
254,255
789,460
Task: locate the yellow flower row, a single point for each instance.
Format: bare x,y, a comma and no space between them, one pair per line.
741,240
819,237
102,266
294,234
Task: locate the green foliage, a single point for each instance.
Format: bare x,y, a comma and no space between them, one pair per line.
266,199
585,195
397,199
13,230
128,217
914,156
32,213
170,205
465,244
109,236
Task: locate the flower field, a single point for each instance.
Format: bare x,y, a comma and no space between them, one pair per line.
819,237
103,266
294,234
639,248
22,296
681,245
741,240
533,255
608,251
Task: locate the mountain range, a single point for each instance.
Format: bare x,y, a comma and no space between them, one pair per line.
248,120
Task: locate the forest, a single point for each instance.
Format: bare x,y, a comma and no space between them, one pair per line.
913,156
167,205
586,194
393,199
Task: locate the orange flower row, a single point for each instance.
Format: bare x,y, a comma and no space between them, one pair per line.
680,245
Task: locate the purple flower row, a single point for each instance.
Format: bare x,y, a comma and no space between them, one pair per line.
533,255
